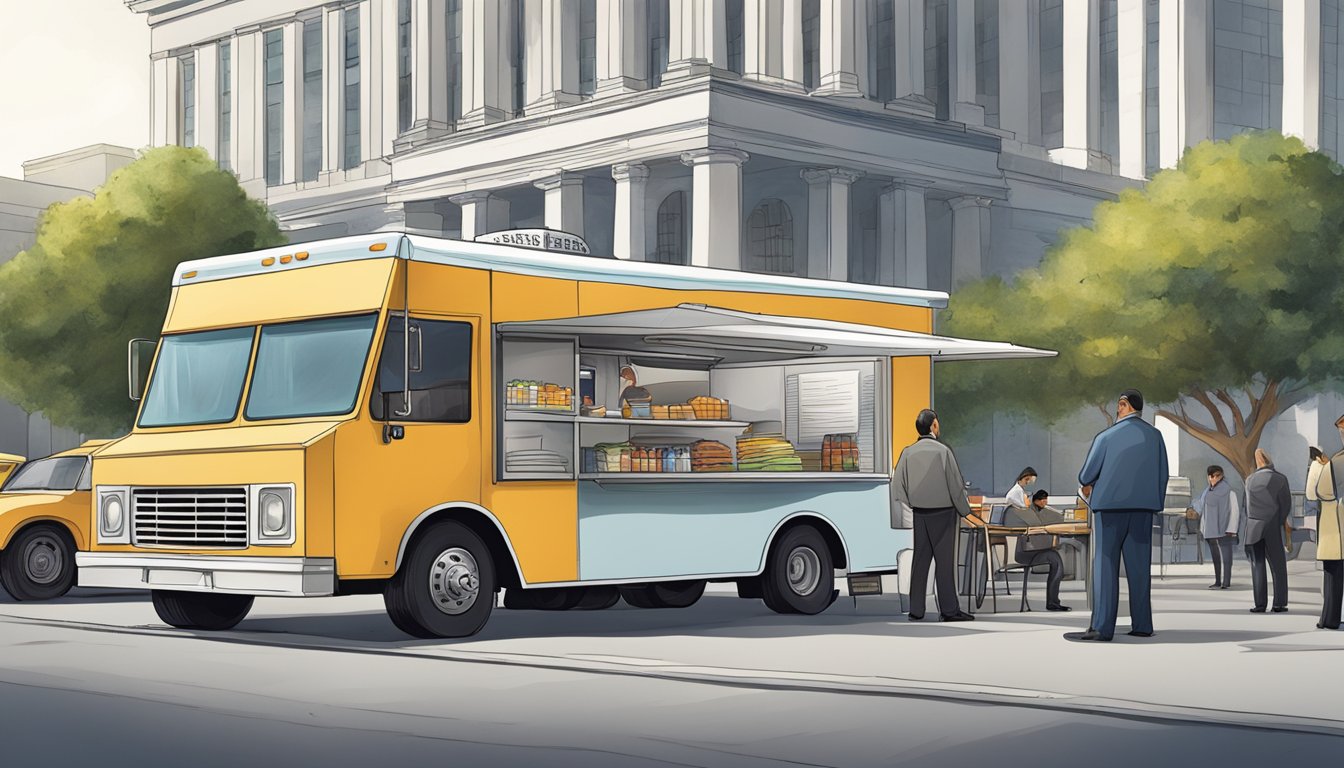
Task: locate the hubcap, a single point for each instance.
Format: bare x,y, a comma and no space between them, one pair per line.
43,560
454,581
804,571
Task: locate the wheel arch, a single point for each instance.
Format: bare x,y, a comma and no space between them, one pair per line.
76,537
481,522
829,531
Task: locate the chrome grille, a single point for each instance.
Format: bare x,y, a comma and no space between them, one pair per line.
190,517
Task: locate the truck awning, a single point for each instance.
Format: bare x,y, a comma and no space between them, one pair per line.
723,335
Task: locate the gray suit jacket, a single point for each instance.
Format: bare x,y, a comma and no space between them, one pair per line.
927,477
1269,502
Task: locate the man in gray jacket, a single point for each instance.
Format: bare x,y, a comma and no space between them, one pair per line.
929,481
1268,504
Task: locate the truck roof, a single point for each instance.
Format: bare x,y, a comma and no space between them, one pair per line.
523,261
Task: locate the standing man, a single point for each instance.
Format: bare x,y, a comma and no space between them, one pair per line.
1268,504
929,481
1218,520
1124,480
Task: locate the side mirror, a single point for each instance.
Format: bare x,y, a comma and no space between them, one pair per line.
139,355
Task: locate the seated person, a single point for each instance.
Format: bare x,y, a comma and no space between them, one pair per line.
1034,518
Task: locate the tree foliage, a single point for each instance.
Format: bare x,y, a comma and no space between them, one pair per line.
1213,289
99,274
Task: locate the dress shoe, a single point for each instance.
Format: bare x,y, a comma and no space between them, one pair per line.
1215,586
915,616
1058,607
1279,609
1090,635
1258,610
1136,633
1225,586
959,616
1328,626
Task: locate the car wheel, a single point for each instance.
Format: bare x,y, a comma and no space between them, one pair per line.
445,587
799,575
39,564
200,610
664,594
598,598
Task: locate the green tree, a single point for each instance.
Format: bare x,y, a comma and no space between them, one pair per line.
1213,289
99,274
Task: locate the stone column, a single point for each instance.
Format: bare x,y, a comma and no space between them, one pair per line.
716,207
908,74
902,238
961,63
1020,70
843,51
772,42
564,202
487,89
1301,70
970,238
386,49
629,237
698,38
622,63
371,104
1132,58
207,98
552,55
791,47
333,74
429,71
1185,68
482,213
828,221
1082,84
291,158
166,103
249,160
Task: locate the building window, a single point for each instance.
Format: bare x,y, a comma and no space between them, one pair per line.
987,59
187,119
587,47
403,66
734,29
274,47
518,55
935,56
1332,84
1152,93
811,44
312,98
1109,114
881,50
658,25
770,238
1247,66
350,155
1052,73
671,244
224,145
454,59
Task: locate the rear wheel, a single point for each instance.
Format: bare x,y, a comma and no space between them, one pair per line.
200,610
543,598
39,564
598,598
446,585
799,574
664,594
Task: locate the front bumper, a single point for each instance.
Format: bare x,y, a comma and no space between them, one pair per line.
270,576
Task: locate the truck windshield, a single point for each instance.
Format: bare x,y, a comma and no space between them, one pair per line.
58,474
310,368
198,378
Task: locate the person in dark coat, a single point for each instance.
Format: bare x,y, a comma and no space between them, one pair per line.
1269,502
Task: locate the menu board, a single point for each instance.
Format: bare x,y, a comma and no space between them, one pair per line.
828,403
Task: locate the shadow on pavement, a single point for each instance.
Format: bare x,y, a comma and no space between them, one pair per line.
84,596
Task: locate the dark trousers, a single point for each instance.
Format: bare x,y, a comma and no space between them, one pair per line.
1055,575
1220,549
1269,548
935,539
1332,592
1124,534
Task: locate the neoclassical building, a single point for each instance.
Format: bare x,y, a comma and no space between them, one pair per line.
910,142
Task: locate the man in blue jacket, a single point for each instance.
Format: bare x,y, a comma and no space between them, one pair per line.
1125,482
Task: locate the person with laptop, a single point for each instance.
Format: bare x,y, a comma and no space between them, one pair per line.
1037,547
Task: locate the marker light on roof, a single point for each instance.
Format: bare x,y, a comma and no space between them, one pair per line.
188,275
301,256
378,247
268,261
286,259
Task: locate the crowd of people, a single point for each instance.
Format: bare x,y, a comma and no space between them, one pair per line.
1123,482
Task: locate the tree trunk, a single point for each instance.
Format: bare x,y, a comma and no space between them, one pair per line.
1237,441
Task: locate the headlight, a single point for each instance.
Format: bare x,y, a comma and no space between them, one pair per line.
272,514
112,503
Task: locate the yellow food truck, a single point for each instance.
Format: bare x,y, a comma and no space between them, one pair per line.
438,420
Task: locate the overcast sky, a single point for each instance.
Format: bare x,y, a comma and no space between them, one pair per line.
72,73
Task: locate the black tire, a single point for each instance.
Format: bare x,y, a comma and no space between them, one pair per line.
39,563
200,610
543,598
664,594
598,598
446,561
811,586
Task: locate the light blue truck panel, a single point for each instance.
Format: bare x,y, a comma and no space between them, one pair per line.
631,531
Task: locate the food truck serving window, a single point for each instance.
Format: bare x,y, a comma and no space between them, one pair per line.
440,372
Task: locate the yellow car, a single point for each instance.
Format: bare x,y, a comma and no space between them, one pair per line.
8,462
44,517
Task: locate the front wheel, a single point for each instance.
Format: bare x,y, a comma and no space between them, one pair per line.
799,574
39,564
446,585
200,610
